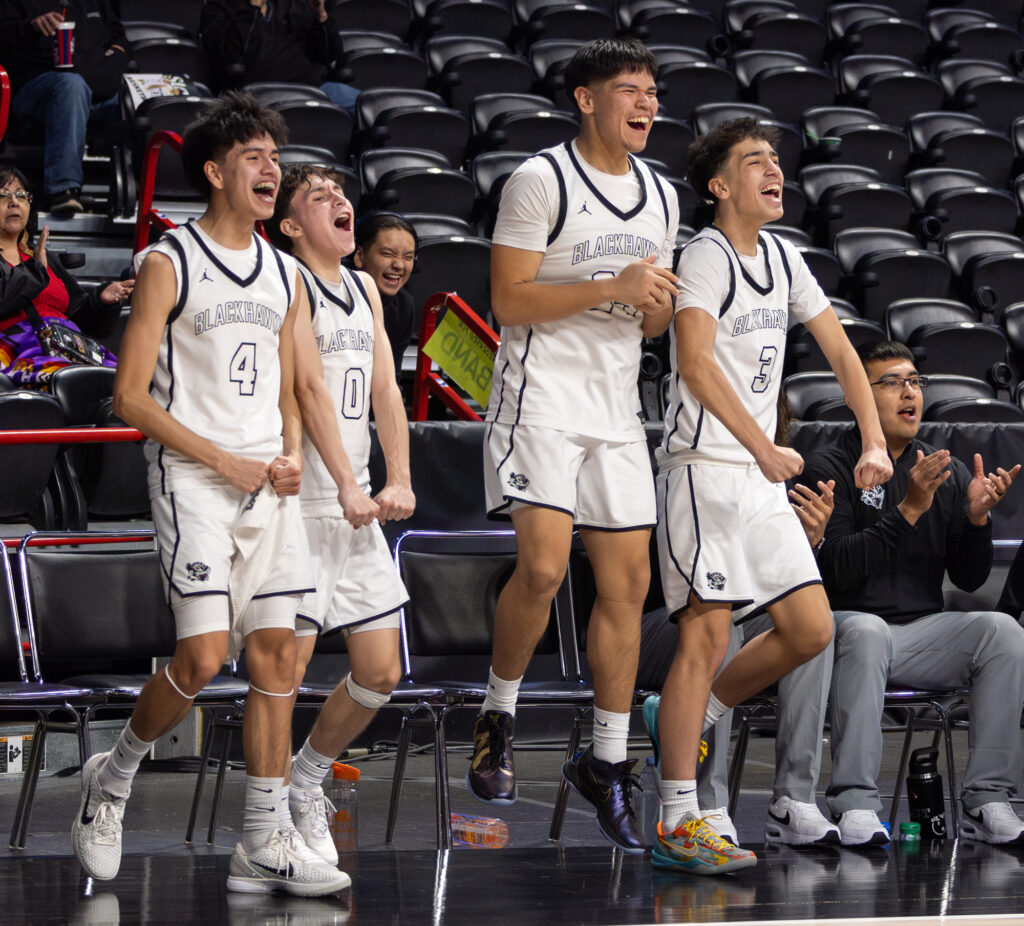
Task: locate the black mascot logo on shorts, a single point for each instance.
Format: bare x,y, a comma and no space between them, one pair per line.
518,481
198,572
716,581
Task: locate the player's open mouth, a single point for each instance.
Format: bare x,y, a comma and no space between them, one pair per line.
908,413
772,192
266,191
639,123
344,221
394,279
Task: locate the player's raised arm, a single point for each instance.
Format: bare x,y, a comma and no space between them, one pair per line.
152,302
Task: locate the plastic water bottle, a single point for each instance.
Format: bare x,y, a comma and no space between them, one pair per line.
649,804
924,794
910,837
342,793
479,832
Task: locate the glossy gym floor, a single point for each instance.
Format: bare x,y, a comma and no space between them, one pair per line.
579,879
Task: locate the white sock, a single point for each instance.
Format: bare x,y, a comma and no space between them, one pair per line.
263,797
713,712
678,798
501,694
116,774
309,768
611,731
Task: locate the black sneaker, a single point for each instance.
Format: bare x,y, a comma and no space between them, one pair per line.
492,773
66,203
608,787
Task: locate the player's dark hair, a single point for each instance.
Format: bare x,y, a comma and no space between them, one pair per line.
294,176
602,59
369,228
885,350
708,153
235,117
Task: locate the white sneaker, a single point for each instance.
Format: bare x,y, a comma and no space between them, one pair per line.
862,828
720,821
96,832
994,822
311,810
798,824
284,862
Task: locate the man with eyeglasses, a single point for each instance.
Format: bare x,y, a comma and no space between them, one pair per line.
885,554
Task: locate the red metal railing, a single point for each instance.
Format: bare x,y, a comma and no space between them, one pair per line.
427,381
71,436
5,102
148,217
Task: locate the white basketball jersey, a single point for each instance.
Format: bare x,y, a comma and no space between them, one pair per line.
579,373
752,300
343,327
218,370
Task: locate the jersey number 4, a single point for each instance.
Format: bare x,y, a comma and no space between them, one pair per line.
764,375
243,368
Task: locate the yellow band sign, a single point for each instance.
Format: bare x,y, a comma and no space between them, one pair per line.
465,359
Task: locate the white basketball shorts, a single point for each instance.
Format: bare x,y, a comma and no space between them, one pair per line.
728,535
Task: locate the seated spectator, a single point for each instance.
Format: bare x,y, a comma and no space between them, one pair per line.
1011,600
34,285
280,40
64,101
386,249
885,554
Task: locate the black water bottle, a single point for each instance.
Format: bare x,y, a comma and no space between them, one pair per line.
924,794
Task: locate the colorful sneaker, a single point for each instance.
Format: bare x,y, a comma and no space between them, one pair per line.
96,832
607,786
721,823
311,810
695,848
795,823
994,823
862,828
492,774
284,862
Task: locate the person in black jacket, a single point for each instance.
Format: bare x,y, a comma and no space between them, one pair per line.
35,288
274,40
63,100
885,554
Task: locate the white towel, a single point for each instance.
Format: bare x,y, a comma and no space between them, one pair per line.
259,538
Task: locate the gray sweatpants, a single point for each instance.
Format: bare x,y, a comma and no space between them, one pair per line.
983,650
803,694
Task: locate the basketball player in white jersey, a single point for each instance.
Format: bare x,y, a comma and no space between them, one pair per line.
206,372
728,539
358,591
580,272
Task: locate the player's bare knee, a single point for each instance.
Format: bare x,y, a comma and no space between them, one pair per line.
539,578
192,672
813,641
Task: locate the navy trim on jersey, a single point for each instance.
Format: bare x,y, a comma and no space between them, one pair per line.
281,593
284,273
179,306
347,307
624,216
675,418
354,277
785,260
170,400
522,385
309,296
220,266
563,205
751,282
761,608
697,430
661,193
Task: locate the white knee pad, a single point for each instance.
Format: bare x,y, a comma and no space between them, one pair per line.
367,697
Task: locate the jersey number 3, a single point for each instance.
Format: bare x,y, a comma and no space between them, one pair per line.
764,375
243,368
